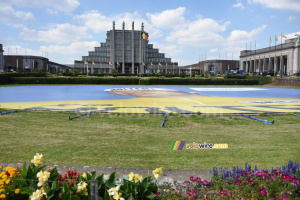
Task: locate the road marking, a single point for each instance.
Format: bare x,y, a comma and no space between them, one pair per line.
192,101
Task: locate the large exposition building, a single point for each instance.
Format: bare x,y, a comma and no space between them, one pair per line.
280,59
127,51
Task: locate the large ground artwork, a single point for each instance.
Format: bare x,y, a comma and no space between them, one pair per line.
151,99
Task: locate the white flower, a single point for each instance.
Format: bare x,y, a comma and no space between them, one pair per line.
43,177
81,187
37,159
38,195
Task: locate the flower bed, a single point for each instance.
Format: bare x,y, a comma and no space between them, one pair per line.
36,183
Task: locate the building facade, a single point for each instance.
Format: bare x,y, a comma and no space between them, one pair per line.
1,59
127,51
279,59
212,66
26,63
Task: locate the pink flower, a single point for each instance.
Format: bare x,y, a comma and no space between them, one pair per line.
237,183
283,198
192,178
191,193
157,193
262,191
222,191
286,177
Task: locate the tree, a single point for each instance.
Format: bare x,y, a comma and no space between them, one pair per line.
114,72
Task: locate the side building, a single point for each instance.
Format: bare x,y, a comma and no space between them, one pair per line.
26,63
211,66
1,59
127,51
280,59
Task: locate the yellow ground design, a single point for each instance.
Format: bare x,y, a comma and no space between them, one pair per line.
203,104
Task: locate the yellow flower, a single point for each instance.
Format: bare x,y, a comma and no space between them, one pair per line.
43,177
7,182
37,159
84,175
17,191
131,176
157,172
137,178
1,167
113,191
118,196
2,196
134,177
2,190
81,187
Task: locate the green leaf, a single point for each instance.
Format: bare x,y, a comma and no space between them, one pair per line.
89,176
93,174
30,174
130,197
112,178
32,187
53,174
24,171
106,195
25,190
151,196
152,187
67,195
66,188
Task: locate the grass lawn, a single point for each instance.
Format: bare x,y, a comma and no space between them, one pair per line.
138,141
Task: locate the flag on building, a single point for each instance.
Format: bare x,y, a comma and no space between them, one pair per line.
118,63
85,62
109,63
93,63
144,63
283,35
270,39
159,64
166,64
151,63
276,39
145,37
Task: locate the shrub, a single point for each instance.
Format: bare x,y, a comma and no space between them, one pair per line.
75,80
144,81
192,81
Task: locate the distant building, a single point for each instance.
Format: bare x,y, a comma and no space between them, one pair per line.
280,59
1,59
127,51
211,66
24,63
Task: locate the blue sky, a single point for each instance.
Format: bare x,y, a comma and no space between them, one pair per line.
186,30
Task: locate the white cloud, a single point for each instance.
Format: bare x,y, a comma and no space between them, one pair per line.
65,6
63,33
95,21
238,36
18,50
168,18
291,18
273,16
213,50
9,15
171,50
201,32
279,4
51,11
81,48
239,5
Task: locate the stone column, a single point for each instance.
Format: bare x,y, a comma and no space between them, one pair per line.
264,64
275,65
112,46
246,66
281,64
132,49
123,48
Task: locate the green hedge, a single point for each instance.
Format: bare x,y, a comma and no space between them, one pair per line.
262,79
144,81
5,78
74,80
230,76
194,81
